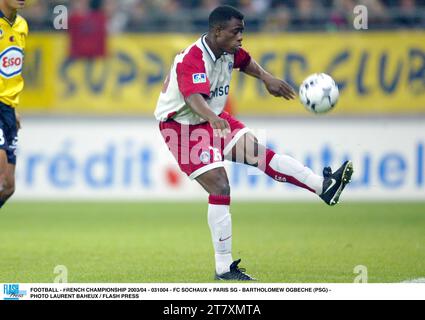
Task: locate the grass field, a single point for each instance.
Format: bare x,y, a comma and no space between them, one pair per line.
157,242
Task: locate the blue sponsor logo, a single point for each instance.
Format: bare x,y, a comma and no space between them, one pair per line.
12,292
116,165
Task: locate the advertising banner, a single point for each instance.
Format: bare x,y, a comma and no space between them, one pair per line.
377,72
126,159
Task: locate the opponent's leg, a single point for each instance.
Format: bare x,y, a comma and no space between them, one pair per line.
7,178
216,183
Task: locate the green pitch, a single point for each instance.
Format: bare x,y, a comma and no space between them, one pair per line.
157,242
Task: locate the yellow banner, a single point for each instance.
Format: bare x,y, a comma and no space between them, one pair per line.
376,72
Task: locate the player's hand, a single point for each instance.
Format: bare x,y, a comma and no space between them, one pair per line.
18,120
279,88
221,127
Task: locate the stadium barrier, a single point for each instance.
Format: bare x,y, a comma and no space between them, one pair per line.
377,72
118,159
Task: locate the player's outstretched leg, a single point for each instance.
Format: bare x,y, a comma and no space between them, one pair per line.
334,183
284,168
329,187
215,182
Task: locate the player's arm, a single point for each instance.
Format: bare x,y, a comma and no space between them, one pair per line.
275,86
195,88
197,103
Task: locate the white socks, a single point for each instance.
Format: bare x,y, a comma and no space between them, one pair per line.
281,168
294,172
220,223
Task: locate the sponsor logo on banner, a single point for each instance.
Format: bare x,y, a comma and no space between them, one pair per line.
11,62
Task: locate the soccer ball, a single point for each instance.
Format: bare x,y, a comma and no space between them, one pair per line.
319,93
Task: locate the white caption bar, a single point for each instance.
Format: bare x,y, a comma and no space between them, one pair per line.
184,291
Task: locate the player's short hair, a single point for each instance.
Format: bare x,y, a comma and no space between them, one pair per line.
222,14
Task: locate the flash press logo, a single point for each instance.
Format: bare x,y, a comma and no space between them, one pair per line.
12,292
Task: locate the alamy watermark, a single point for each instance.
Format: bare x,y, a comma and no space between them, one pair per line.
60,17
362,274
62,272
361,17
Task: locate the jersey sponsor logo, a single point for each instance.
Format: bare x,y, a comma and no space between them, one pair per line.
219,92
11,62
199,78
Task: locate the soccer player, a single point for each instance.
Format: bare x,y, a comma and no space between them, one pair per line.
13,34
201,135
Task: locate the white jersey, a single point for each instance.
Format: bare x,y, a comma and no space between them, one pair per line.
197,70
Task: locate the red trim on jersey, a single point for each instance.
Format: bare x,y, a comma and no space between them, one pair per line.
192,64
219,200
242,59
